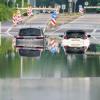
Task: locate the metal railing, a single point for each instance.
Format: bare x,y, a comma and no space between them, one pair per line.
93,7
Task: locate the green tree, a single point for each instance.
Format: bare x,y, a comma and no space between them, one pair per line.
5,12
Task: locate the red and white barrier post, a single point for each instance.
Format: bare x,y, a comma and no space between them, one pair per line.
81,9
29,11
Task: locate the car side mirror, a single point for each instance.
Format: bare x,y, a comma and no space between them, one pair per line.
89,36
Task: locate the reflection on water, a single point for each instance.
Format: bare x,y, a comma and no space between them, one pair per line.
44,64
48,65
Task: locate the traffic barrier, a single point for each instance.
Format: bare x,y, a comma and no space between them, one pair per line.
81,10
53,21
29,11
53,18
19,18
14,19
53,46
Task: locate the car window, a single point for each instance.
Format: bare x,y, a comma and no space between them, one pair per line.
30,32
75,34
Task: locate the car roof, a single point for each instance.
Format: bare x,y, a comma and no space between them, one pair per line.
75,31
30,28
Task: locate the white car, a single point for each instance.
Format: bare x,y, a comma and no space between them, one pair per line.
75,41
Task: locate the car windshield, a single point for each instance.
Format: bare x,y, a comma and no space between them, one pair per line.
30,32
75,34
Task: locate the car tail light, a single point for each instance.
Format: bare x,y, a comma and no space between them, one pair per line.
19,46
31,37
65,37
65,47
19,37
39,37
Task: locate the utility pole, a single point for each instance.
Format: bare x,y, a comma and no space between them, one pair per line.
34,3
70,6
22,3
7,2
75,1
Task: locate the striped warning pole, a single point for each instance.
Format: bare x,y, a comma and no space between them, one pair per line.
53,46
53,21
14,19
53,18
19,18
29,11
53,43
81,10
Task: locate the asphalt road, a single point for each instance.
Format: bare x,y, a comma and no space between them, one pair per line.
39,21
88,22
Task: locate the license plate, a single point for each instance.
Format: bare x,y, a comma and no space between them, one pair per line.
76,42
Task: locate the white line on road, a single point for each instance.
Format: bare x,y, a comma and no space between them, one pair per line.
94,31
9,29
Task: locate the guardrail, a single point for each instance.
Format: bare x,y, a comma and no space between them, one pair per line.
89,7
92,53
41,8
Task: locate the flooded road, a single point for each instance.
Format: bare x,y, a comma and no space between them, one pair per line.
49,76
48,65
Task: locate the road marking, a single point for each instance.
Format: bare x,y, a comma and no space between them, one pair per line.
94,31
9,29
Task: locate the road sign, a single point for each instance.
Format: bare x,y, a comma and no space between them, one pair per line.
70,0
63,6
53,21
74,1
80,6
86,3
53,15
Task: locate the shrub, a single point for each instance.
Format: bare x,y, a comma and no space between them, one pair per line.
5,12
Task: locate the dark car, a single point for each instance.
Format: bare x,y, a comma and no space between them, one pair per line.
30,37
75,41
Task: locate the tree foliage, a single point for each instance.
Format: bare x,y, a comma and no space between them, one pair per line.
5,12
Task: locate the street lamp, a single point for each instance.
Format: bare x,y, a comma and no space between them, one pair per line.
34,3
74,4
7,2
70,6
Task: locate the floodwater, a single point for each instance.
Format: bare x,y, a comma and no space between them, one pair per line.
49,65
49,76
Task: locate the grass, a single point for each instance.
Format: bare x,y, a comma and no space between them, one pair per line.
6,46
